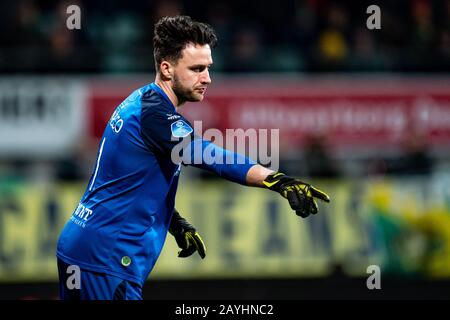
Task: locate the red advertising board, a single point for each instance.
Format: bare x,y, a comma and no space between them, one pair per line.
350,112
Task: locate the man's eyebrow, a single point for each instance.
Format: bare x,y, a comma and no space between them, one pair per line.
200,65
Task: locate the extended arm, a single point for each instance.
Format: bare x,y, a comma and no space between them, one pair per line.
159,131
240,169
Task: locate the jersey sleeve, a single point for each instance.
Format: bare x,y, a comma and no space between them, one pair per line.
207,155
172,135
161,129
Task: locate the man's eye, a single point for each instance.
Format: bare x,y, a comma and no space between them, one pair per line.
198,69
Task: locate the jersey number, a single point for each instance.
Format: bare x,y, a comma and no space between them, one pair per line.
98,164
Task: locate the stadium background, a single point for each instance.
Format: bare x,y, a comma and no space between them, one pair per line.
364,114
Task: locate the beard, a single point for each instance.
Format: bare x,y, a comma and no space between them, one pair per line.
183,93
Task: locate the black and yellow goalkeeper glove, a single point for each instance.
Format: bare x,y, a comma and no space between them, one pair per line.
186,237
299,194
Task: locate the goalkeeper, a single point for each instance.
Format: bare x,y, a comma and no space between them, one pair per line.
117,231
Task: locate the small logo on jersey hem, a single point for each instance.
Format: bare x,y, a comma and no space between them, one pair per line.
126,261
180,129
172,116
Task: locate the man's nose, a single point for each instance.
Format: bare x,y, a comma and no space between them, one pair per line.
206,79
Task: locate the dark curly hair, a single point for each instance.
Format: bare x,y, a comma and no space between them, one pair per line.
172,34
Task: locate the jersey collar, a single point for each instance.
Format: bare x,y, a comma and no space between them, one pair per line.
163,94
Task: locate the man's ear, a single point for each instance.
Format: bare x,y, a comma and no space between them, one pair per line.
166,69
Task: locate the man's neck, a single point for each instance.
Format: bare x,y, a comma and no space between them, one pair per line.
167,88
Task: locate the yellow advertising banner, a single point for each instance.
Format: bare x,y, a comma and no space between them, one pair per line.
401,226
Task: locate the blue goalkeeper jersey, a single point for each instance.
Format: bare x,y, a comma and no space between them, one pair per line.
121,222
